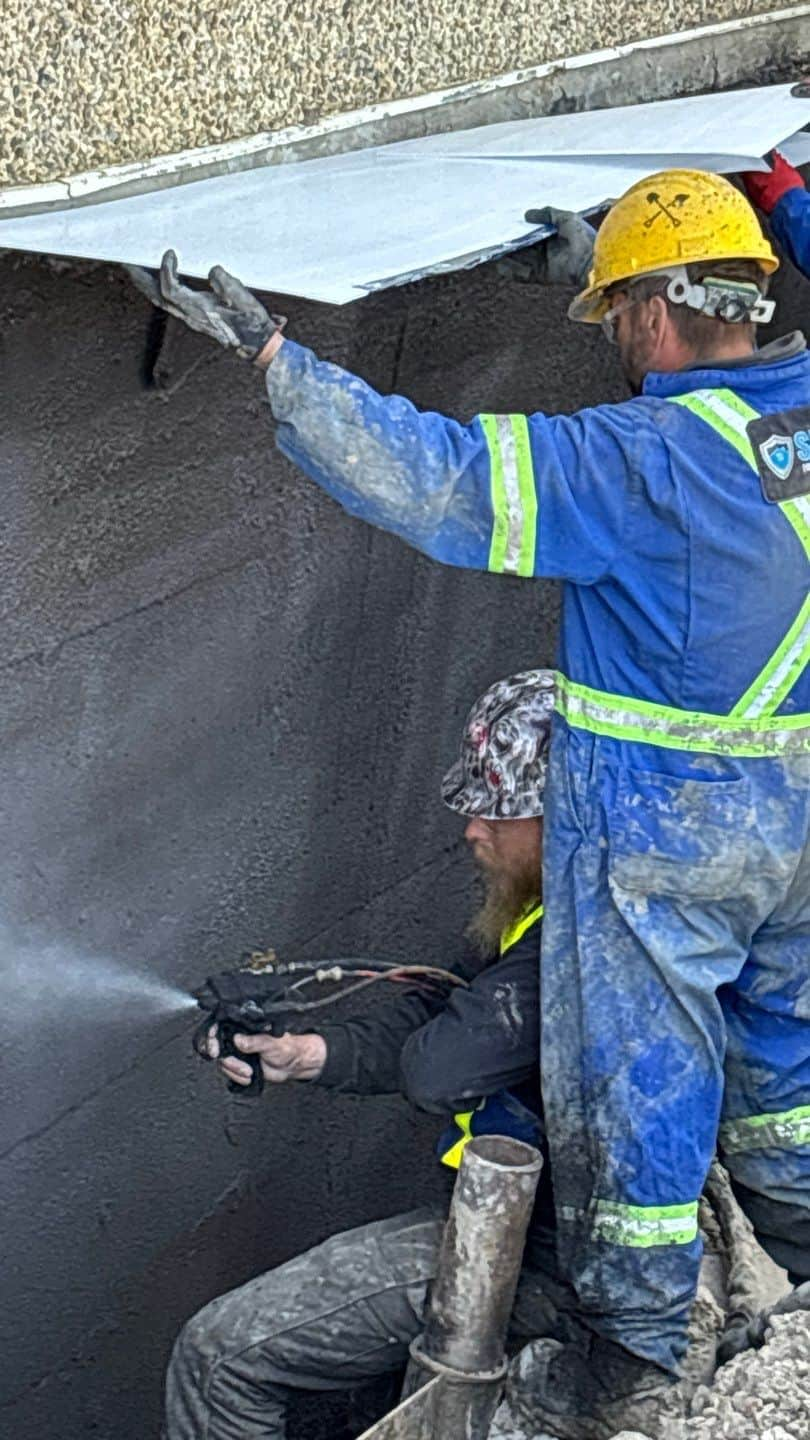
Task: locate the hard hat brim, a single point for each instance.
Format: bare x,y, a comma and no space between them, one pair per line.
476,803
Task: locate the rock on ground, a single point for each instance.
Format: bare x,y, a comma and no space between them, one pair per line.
761,1394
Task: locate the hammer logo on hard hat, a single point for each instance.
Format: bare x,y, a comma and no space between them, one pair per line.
655,199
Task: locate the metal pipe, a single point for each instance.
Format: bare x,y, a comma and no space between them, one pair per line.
472,1296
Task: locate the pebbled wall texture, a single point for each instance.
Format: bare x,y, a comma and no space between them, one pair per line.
226,709
86,83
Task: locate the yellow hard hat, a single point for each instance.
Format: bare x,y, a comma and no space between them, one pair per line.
677,217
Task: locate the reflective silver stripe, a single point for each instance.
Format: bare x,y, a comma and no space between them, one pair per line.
802,503
640,1226
790,659
783,670
678,730
782,1130
511,485
725,412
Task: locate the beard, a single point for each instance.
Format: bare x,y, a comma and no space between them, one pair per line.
507,896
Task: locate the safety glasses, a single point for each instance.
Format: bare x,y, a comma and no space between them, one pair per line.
608,320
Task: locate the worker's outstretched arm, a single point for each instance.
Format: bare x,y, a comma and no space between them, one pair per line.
357,1056
536,495
423,476
513,494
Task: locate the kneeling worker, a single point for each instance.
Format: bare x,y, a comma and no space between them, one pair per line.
346,1312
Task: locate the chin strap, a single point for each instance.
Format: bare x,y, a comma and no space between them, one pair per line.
734,301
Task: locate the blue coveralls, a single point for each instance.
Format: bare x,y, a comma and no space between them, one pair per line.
791,226
676,944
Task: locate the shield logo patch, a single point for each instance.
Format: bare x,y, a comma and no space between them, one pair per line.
777,452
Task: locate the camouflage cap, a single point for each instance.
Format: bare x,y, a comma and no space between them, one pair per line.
501,770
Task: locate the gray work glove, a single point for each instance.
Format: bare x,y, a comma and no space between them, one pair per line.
227,313
750,1334
562,259
589,1390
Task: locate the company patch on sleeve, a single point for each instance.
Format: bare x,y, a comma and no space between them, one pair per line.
781,445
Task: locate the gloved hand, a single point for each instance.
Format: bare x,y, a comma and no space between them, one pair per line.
750,1334
227,313
588,1390
765,189
562,259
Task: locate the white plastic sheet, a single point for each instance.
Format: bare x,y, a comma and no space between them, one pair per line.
797,148
333,228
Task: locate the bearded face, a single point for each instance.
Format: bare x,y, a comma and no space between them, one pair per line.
508,857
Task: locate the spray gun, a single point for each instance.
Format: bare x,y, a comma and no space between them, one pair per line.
255,1000
269,996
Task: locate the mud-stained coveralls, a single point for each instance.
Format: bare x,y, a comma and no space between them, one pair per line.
676,946
790,218
344,1313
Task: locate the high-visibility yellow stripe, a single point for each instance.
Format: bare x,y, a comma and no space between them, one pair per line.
515,932
528,495
780,1130
500,510
644,722
798,513
641,1226
513,494
727,414
776,679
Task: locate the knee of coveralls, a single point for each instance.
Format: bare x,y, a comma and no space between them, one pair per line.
638,935
196,1351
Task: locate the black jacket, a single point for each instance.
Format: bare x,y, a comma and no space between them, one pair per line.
446,1052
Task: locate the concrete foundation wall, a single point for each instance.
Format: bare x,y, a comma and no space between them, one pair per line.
104,81
226,711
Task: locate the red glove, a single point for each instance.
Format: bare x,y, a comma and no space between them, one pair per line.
767,189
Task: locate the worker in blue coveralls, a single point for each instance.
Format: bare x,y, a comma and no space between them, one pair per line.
675,976
781,194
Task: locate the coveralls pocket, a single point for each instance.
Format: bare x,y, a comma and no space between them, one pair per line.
677,838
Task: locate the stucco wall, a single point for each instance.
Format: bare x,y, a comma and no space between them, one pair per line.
226,711
90,82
